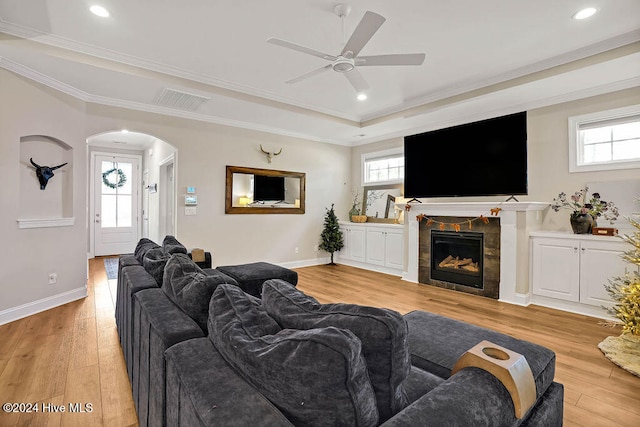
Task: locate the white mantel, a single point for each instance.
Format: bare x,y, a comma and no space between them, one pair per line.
515,224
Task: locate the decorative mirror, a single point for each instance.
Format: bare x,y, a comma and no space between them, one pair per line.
264,191
378,202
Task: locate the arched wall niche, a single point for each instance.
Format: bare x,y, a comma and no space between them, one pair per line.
52,206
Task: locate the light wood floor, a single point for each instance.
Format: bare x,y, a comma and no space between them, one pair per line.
71,354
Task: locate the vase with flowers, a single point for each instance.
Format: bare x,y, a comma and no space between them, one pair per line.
585,209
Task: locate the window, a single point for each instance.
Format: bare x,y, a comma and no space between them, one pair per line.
605,140
383,167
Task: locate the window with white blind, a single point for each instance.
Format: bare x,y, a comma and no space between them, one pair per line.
383,167
605,140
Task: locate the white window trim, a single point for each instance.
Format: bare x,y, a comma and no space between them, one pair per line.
375,155
574,142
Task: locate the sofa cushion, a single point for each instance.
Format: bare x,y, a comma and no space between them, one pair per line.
154,261
315,377
437,342
142,247
190,288
171,246
383,334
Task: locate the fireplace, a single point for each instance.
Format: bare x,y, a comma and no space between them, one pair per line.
457,257
466,261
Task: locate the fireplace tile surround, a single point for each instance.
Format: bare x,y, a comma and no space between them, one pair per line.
491,256
516,220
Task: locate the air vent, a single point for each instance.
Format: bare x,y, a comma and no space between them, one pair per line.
180,100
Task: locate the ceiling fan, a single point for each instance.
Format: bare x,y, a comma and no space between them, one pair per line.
347,61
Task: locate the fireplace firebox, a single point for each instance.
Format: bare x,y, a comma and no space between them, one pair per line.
457,257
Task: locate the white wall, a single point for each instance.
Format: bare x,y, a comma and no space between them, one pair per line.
29,255
203,151
548,153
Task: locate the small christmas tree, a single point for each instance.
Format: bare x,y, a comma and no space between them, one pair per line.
331,237
625,290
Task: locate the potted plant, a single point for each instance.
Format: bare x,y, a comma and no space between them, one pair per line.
585,210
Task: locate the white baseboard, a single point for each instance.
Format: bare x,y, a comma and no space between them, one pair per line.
305,262
521,299
572,307
371,267
31,308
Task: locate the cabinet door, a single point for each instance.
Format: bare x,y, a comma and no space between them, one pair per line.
393,250
357,240
375,246
344,253
599,262
556,268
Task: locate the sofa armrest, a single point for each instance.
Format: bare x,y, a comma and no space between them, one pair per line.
207,260
470,397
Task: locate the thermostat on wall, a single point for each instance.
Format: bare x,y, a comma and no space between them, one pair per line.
191,190
190,200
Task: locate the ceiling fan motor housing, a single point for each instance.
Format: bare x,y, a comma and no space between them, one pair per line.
343,65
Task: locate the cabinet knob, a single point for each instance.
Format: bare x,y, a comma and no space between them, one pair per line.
575,249
583,249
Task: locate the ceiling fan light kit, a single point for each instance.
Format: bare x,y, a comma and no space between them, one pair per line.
347,61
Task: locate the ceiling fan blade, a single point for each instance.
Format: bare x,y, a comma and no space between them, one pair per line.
302,49
309,74
356,80
394,59
362,34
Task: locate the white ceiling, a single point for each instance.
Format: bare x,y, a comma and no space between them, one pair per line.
483,58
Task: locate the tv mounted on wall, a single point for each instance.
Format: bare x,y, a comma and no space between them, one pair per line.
268,188
485,158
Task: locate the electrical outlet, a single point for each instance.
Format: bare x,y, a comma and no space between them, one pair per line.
296,250
53,278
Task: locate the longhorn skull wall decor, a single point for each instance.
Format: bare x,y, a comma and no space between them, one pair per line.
270,154
44,173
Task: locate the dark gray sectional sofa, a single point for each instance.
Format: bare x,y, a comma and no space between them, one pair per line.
201,350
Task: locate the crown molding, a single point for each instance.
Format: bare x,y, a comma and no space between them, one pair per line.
110,55
37,76
469,86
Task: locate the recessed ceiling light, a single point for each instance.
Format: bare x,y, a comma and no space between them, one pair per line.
362,97
125,131
99,11
585,13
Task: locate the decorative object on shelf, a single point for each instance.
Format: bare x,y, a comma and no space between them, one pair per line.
359,218
583,207
270,154
120,177
355,193
581,223
331,238
625,291
44,173
604,231
456,226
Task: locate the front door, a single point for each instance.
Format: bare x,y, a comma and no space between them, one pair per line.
116,204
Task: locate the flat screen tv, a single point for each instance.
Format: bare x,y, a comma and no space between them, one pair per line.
485,158
268,188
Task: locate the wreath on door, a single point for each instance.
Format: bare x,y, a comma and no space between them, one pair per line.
121,178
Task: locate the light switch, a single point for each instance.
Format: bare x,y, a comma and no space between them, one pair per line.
190,210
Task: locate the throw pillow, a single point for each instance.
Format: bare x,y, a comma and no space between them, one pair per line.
171,246
383,334
154,261
142,247
315,377
190,288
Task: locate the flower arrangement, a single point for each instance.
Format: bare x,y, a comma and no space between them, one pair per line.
580,204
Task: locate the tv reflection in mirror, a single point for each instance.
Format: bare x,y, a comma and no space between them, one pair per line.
268,189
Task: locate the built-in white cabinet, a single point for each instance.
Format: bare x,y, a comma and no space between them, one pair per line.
354,242
373,246
574,268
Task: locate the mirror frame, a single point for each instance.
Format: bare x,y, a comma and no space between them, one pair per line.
230,209
379,188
